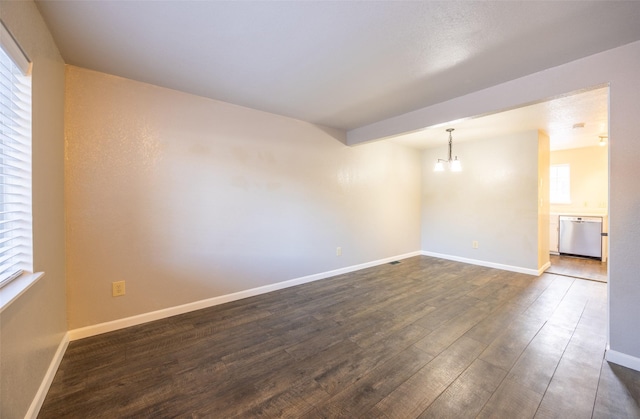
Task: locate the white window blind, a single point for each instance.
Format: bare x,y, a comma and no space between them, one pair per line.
16,240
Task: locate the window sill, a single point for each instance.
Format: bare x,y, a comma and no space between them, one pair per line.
14,289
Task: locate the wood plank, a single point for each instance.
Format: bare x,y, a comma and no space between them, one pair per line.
360,397
618,393
423,338
443,314
449,331
538,362
418,392
591,269
466,396
359,363
511,400
572,391
505,350
492,326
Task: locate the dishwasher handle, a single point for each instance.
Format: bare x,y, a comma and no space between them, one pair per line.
581,219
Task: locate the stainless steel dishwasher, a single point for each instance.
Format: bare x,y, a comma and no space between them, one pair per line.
580,236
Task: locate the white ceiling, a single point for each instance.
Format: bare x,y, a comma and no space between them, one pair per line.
556,117
335,63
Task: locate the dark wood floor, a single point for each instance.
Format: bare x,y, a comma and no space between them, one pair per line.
577,267
425,338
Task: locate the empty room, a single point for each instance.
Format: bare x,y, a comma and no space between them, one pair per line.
311,209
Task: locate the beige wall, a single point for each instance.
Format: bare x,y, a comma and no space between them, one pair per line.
33,326
589,180
543,199
188,198
492,201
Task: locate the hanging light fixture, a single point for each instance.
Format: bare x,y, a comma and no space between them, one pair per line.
454,163
603,140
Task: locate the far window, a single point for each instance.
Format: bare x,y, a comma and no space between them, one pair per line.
560,184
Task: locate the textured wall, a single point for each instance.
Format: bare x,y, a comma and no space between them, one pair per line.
188,198
624,199
492,201
32,327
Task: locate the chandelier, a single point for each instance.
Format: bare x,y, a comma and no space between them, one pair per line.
453,163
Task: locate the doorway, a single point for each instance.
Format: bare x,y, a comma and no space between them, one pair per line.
579,184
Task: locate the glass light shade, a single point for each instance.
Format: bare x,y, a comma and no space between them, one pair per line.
456,166
602,142
439,167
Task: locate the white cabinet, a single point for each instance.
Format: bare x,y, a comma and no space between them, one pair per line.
553,233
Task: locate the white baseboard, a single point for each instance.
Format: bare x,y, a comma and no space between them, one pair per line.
622,359
100,328
36,404
544,268
518,269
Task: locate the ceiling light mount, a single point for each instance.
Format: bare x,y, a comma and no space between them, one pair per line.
453,163
603,140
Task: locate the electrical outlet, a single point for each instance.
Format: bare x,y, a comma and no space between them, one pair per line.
117,288
338,251
474,244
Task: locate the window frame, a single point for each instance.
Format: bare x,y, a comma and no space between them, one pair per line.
560,184
16,169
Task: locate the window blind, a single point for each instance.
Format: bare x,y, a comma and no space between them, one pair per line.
15,160
560,184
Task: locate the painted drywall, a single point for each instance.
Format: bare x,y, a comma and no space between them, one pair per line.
493,201
544,156
33,326
620,69
589,180
187,198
